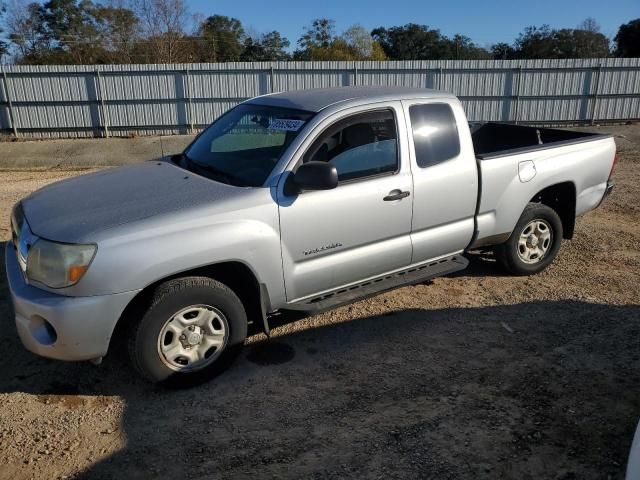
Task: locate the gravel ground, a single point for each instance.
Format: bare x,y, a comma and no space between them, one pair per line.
475,376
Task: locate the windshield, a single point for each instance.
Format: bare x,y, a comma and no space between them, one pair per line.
242,147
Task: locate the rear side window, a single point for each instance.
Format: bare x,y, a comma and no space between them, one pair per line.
435,133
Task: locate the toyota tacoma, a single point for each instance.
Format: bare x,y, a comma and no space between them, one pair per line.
292,202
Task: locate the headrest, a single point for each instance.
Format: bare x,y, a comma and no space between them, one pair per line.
359,134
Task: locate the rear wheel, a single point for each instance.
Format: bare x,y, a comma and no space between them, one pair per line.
192,331
534,243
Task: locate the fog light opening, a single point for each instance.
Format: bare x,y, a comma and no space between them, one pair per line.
43,331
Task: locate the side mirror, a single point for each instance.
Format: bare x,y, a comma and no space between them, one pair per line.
315,176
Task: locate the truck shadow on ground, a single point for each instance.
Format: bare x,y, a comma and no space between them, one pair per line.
533,390
481,264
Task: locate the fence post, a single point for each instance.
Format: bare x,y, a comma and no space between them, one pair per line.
186,88
271,84
103,111
516,108
355,74
9,103
594,103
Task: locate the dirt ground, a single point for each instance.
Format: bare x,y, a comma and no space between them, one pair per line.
475,376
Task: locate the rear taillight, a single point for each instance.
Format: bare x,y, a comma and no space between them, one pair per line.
613,167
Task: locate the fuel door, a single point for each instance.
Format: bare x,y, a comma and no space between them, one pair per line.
526,171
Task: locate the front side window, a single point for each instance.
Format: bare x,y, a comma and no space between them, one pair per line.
359,146
435,133
243,146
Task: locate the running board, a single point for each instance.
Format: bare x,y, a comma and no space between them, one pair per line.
413,275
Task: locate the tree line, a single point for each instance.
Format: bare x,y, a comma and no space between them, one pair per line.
164,31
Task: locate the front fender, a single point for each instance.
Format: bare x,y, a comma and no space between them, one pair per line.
143,254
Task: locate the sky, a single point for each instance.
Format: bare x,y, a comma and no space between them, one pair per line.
484,21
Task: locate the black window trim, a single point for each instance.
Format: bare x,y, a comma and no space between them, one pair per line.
388,108
413,144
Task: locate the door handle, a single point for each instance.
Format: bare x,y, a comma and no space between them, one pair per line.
396,195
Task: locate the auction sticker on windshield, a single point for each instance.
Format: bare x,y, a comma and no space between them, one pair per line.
286,125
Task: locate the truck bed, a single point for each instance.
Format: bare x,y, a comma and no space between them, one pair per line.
492,140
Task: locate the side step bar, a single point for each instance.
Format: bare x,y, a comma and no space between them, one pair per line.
413,275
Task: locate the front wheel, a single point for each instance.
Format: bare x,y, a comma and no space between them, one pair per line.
192,331
534,242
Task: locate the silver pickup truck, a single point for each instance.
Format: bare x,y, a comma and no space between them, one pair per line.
290,202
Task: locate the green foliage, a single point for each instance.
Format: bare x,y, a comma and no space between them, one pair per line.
543,42
31,36
628,39
222,39
319,42
412,42
73,27
419,42
118,30
358,39
535,42
70,32
268,47
461,47
319,35
502,51
84,32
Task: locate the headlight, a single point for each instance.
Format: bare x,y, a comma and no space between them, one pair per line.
58,265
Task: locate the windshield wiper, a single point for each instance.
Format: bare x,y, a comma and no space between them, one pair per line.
213,171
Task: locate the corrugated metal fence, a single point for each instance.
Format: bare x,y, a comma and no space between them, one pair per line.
121,100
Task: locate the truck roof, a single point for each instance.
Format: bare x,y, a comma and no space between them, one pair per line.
315,100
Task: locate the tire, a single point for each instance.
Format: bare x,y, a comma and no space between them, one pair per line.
192,331
542,250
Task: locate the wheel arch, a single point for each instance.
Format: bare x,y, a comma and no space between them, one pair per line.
561,197
234,274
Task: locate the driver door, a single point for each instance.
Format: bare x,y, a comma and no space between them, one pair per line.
332,239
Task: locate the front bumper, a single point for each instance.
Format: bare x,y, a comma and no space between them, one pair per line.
64,328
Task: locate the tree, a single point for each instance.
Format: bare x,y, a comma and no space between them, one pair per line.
320,43
378,52
118,30
64,31
462,48
338,49
586,41
222,39
589,24
543,42
363,46
29,34
317,36
360,41
580,43
412,42
628,39
267,47
275,46
536,42
503,51
163,23
67,32
72,26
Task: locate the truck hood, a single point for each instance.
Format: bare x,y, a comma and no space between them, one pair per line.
77,209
